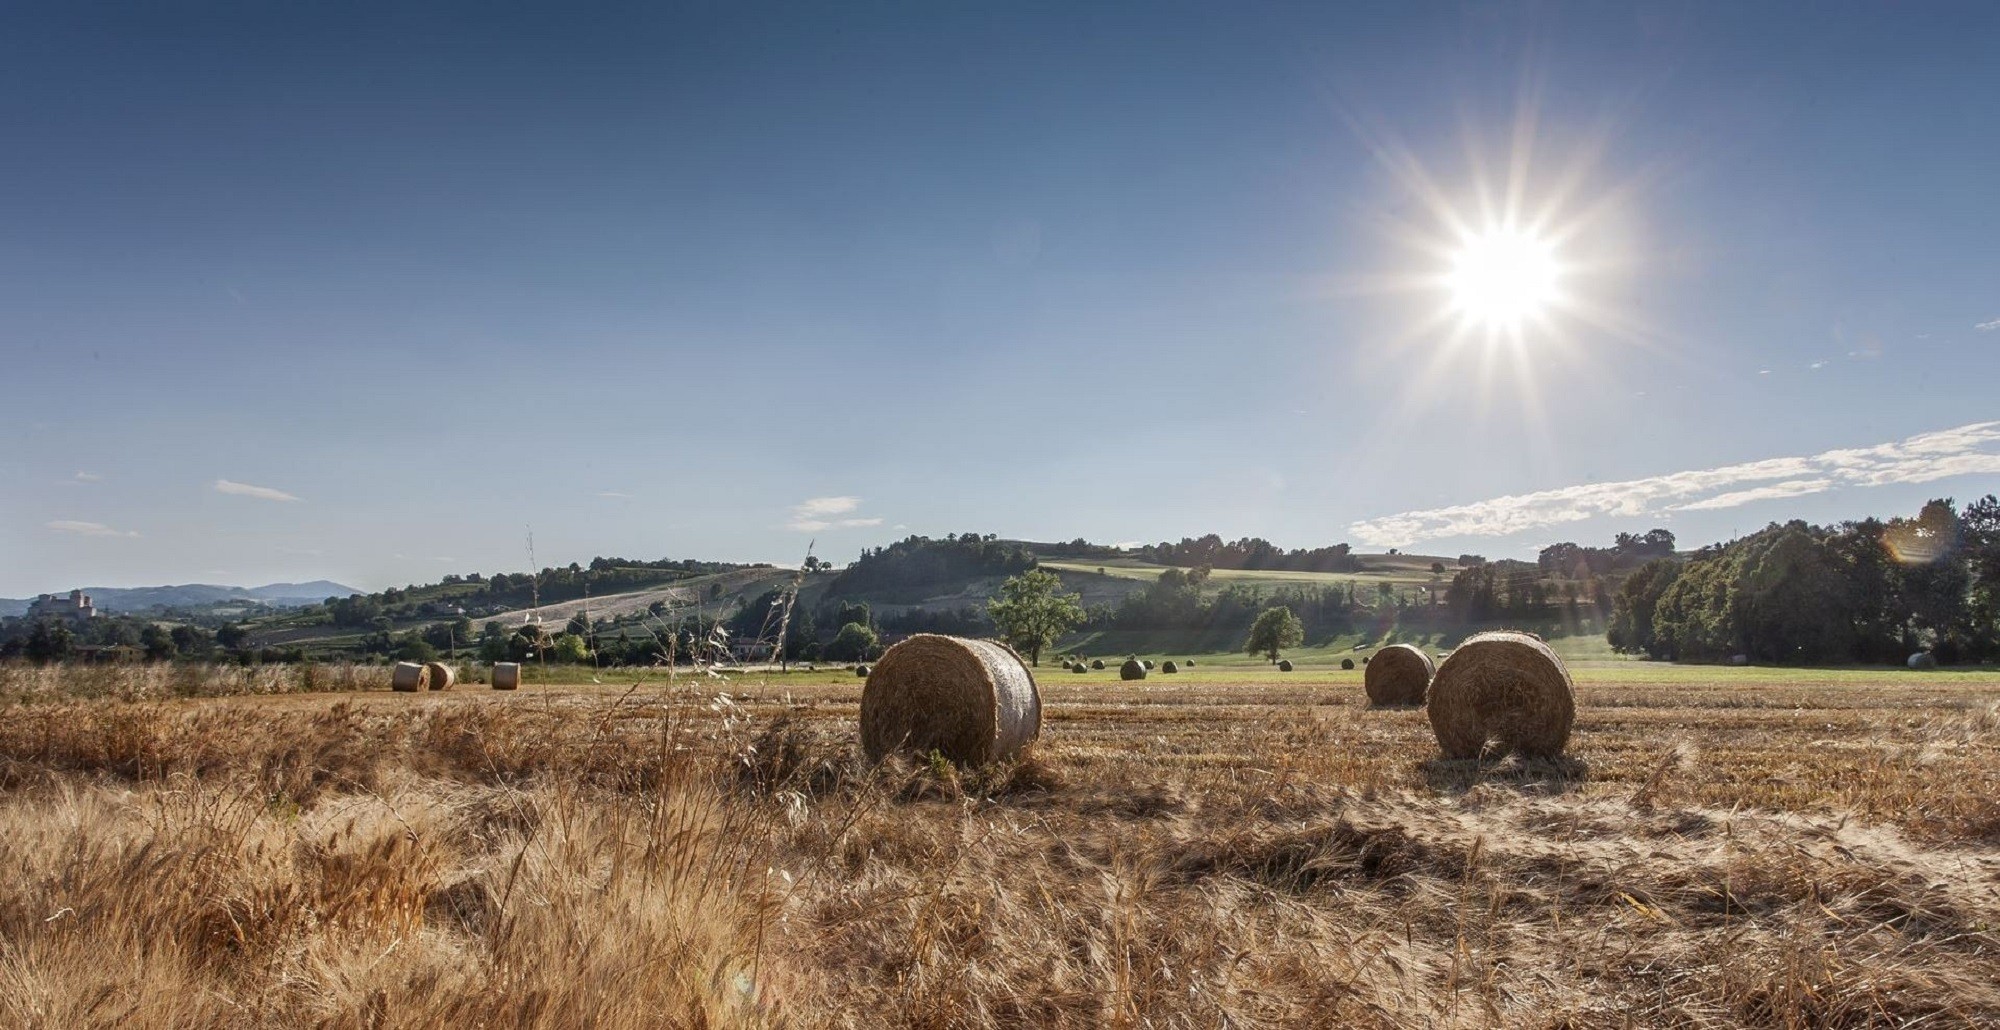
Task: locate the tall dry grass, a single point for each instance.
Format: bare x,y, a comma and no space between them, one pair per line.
1185,857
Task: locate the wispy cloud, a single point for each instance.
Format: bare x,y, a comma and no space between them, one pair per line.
262,493
1988,326
89,477
76,528
1922,458
820,513
616,495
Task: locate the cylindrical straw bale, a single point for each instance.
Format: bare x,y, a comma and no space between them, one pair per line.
973,701
408,676
1399,675
506,675
1504,687
438,676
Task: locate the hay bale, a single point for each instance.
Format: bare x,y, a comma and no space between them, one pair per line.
506,675
1923,660
1364,659
1170,667
1189,663
1504,687
861,671
1347,665
1132,670
1079,667
1401,676
438,676
1149,663
1097,663
973,701
407,677
1285,665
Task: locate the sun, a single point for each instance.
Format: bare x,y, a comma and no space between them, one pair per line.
1504,277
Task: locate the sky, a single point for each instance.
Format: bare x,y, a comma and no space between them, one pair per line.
372,292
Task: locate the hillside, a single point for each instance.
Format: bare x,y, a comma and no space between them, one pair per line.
194,595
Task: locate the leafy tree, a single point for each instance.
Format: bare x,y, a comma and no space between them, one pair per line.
412,647
49,642
1032,612
1276,629
854,643
569,648
159,644
232,635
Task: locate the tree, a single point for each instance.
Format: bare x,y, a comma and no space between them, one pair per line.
159,644
854,643
1276,629
232,635
49,642
1031,613
570,648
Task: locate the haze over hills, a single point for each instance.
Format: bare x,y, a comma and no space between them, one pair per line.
139,599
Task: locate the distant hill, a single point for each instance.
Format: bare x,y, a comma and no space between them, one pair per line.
139,599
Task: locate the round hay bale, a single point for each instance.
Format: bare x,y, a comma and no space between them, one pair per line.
861,671
506,675
1504,687
1364,659
1285,665
438,676
1347,665
1189,663
973,701
1402,677
1149,663
1170,667
1097,663
1079,667
1923,660
407,677
1132,670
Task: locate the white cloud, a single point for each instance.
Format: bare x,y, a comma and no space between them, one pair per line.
1988,326
614,494
1918,459
89,477
264,493
87,528
817,513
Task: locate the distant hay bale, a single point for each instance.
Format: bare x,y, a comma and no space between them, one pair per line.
407,677
1132,670
438,676
1400,675
1347,665
1079,667
1504,687
1189,663
1149,663
1097,663
973,701
1170,667
861,671
1364,659
1923,660
1285,665
506,675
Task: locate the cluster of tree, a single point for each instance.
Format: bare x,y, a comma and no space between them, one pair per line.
917,567
1517,592
517,589
1179,601
1250,553
1574,561
1867,591
129,638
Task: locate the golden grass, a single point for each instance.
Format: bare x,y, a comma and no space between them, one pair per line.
1262,852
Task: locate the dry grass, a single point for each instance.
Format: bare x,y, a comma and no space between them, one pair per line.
1256,853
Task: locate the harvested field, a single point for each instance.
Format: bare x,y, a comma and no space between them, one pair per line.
1234,847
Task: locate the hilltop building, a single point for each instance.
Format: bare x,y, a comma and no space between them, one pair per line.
76,607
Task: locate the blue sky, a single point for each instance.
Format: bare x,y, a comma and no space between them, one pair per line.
362,292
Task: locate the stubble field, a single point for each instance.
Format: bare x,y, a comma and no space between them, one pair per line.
1225,847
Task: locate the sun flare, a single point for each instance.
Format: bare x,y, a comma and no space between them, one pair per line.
1502,278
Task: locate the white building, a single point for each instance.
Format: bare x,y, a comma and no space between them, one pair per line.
76,607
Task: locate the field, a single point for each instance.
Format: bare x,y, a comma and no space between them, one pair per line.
1229,846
